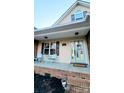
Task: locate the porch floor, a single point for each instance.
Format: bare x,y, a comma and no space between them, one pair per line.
63,66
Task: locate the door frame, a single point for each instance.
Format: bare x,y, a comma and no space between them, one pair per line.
85,50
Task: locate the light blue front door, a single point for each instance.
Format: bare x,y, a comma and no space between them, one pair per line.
77,52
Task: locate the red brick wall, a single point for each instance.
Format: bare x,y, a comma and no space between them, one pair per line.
79,82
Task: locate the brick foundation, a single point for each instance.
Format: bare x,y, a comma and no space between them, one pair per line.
79,82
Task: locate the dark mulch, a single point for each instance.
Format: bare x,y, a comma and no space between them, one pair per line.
47,84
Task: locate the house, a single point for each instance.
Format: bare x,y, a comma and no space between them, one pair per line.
68,39
65,46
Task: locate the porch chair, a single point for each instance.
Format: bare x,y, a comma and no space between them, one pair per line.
38,58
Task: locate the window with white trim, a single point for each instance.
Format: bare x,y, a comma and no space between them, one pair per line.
46,48
78,15
50,48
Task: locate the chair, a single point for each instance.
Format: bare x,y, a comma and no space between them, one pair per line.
38,58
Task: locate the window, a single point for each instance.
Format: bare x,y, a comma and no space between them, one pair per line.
52,51
78,15
53,48
46,48
50,48
46,45
46,51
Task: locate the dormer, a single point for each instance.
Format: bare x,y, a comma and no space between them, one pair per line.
77,12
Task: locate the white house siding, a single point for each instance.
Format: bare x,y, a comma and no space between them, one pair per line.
64,51
67,19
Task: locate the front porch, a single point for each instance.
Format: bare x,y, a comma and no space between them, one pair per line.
78,78
63,66
65,43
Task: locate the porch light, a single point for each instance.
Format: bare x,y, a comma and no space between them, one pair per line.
76,33
45,37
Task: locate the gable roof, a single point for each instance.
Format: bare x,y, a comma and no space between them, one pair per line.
78,2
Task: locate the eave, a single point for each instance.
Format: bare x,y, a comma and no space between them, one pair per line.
62,31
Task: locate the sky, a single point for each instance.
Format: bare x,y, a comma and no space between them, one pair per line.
47,12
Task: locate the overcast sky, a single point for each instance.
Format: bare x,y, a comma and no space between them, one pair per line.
46,12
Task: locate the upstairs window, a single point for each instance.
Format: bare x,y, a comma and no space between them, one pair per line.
78,15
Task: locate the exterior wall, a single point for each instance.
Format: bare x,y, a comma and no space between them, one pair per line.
64,51
67,19
35,47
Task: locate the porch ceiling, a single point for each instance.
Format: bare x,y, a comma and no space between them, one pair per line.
63,31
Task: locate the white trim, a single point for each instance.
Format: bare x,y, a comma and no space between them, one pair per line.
85,49
61,25
48,48
71,30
